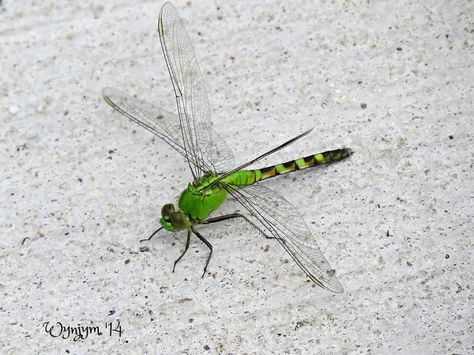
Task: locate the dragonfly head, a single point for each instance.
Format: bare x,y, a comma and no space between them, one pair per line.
173,220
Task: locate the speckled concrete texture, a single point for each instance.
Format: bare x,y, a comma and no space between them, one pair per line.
80,185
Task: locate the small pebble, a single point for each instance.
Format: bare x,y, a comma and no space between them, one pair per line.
14,109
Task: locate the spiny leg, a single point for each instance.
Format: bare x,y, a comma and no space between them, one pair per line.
151,236
208,245
224,218
232,216
185,250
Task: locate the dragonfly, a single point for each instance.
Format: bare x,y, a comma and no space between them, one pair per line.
216,179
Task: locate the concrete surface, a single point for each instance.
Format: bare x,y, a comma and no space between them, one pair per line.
80,185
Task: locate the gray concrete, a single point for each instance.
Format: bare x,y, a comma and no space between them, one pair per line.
80,185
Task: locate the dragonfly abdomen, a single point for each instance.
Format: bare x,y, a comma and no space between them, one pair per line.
249,177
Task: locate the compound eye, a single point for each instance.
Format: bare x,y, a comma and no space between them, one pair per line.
167,210
177,220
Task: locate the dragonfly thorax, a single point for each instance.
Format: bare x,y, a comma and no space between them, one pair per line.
202,182
173,220
197,203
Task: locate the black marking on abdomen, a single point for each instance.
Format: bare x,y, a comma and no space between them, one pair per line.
267,169
327,157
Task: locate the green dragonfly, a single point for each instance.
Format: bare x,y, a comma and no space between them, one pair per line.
211,162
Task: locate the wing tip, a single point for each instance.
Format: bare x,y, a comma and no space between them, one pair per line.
333,286
336,288
107,94
106,91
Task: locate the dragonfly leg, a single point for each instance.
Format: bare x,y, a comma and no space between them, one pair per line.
185,250
231,216
223,218
151,236
209,245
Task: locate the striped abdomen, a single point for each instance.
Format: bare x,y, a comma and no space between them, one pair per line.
249,177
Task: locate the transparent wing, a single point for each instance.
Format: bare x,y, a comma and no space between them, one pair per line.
164,125
278,218
154,119
200,145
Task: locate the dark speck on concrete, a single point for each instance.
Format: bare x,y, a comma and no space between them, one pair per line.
363,105
298,325
399,49
207,348
451,137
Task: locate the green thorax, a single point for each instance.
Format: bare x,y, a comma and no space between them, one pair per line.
197,203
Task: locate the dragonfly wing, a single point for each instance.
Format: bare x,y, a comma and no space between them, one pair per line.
278,218
154,119
208,152
158,121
